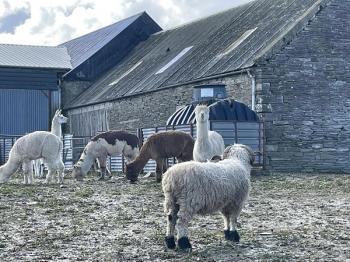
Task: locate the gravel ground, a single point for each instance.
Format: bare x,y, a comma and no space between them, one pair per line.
289,217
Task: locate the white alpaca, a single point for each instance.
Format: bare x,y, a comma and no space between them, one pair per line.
111,143
203,188
208,143
56,129
39,144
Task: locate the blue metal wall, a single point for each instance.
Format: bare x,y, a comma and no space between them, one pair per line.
28,78
23,111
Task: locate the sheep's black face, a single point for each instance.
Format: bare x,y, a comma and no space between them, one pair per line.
131,173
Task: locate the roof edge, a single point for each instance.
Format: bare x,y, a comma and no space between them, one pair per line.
292,30
137,16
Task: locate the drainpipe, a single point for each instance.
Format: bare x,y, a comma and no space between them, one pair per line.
252,78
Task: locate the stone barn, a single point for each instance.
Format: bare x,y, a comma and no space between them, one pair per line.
288,60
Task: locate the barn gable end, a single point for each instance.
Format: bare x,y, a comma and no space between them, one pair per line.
303,94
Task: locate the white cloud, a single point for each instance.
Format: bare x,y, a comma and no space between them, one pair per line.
52,22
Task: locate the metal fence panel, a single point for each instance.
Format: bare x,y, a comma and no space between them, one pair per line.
248,133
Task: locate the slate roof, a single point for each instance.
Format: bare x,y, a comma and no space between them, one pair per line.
34,56
82,48
221,43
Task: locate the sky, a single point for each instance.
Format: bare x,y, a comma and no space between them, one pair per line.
52,22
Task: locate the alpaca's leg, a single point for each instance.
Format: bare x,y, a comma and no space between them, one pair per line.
49,176
60,171
41,168
28,172
184,218
159,169
165,165
171,223
102,164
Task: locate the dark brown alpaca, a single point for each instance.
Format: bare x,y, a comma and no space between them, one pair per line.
159,147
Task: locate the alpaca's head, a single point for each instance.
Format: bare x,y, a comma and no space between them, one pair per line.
77,173
131,172
59,118
240,152
130,153
202,113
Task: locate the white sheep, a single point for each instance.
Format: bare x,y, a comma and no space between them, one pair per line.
202,188
39,144
208,143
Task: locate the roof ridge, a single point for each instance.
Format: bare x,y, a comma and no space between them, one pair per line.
199,19
104,27
45,46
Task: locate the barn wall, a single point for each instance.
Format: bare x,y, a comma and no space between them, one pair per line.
303,93
28,78
23,111
152,109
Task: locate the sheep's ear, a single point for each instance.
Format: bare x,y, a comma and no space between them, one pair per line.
226,151
251,153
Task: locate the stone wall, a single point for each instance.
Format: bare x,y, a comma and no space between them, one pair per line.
152,109
303,95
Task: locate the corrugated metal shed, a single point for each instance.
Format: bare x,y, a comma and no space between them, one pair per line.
34,56
98,51
28,78
23,111
221,43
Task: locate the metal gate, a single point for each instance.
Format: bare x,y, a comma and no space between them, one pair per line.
248,133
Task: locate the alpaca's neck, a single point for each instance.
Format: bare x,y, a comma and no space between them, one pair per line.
142,159
8,169
202,131
56,128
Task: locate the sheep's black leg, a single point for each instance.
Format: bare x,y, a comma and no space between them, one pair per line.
183,241
233,234
171,223
230,221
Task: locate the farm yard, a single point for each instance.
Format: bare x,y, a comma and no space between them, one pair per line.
289,217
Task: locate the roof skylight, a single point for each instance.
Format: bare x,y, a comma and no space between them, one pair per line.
238,41
174,60
126,73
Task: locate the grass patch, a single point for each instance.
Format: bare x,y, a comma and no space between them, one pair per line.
84,192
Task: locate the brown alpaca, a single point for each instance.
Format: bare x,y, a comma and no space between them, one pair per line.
159,147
